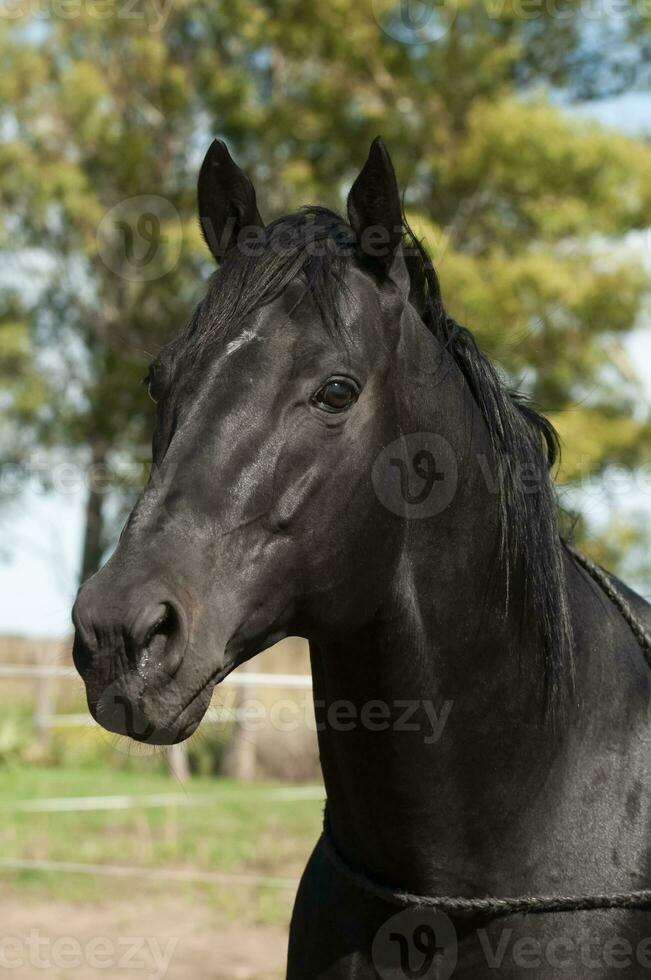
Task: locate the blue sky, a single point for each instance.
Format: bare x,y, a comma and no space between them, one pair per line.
41,533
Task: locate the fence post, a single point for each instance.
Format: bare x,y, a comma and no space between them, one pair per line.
43,699
178,760
240,757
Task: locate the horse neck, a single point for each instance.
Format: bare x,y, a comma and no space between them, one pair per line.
443,773
428,717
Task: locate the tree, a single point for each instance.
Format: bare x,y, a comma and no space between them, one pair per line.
524,207
83,145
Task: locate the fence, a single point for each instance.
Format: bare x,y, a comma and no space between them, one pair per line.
45,719
44,677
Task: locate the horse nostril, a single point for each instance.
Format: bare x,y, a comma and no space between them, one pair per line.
159,640
161,629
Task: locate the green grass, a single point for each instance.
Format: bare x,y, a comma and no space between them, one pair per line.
239,831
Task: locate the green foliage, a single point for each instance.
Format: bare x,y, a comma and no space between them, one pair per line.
24,387
207,749
525,206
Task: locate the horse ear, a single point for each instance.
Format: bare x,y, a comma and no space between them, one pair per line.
375,213
226,199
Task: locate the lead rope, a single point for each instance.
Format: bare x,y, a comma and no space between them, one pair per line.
603,579
528,904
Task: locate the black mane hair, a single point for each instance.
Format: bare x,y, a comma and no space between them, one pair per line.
317,244
526,447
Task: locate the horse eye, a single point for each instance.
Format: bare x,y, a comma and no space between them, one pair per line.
336,395
149,381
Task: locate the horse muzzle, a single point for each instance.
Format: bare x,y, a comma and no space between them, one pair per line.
130,649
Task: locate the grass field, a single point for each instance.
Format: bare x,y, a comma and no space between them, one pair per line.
219,930
233,828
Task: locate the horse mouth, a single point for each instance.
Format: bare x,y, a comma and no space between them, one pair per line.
155,699
128,707
208,687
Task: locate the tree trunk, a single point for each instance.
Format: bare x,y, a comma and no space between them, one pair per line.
94,538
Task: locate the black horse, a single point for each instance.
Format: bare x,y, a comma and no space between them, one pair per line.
334,458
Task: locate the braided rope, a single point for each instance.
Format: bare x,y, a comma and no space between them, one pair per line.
603,579
527,904
489,906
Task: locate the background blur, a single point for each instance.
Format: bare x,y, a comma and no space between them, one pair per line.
520,134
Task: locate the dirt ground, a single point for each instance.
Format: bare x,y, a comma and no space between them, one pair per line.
151,938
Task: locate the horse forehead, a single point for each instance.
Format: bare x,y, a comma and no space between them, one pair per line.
244,339
358,299
293,319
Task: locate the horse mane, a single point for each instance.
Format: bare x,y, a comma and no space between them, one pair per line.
318,245
526,446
